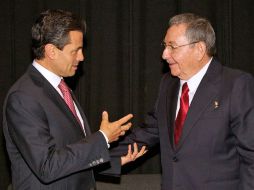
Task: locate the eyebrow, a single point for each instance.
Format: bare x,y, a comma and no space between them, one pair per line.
78,48
169,42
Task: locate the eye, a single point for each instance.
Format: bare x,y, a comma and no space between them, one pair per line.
163,44
75,51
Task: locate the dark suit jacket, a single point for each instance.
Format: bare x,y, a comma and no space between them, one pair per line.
46,146
216,150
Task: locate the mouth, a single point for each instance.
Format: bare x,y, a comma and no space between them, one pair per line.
75,67
171,64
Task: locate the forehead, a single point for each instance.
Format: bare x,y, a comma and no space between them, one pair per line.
76,37
176,33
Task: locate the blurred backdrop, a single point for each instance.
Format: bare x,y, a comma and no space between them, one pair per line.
123,64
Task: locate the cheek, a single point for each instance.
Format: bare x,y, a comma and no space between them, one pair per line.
184,59
74,58
69,60
186,65
66,64
179,59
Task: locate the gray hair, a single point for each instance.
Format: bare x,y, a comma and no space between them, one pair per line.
198,29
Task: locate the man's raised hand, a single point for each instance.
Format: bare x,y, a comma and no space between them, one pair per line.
115,129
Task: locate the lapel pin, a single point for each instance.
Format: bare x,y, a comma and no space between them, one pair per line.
216,104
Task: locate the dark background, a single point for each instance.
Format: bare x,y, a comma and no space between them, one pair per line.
123,65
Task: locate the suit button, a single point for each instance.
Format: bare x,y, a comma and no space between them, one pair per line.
175,159
101,160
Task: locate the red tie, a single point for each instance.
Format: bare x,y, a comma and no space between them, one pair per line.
184,106
68,99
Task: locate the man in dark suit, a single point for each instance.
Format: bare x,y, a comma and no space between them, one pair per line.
204,114
48,139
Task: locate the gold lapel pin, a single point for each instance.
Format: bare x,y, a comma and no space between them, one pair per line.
216,104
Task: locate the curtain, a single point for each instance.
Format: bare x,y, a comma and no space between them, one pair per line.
123,65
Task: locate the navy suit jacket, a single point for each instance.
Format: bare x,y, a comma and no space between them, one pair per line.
46,145
216,149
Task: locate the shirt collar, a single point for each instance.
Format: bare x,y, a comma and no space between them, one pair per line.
53,79
194,81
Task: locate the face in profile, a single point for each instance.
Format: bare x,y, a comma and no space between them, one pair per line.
67,59
180,53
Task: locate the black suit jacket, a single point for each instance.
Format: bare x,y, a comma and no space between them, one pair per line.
46,145
216,149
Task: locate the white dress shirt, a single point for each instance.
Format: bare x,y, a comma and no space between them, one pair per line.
55,80
193,84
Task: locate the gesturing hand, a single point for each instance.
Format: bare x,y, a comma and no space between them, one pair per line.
132,156
114,129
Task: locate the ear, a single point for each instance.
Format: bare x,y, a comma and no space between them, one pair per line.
201,50
50,51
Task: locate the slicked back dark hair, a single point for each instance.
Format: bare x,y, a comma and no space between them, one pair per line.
53,27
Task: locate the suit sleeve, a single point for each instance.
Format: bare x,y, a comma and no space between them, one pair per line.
242,123
148,133
29,131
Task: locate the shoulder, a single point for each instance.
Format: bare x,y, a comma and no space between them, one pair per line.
229,75
29,82
25,89
232,75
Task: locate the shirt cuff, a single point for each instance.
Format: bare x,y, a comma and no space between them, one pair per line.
106,138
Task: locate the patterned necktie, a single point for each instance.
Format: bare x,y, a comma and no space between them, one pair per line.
184,106
68,98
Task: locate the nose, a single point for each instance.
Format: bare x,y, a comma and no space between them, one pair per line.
165,53
80,56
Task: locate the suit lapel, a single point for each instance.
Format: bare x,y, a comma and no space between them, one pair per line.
86,126
172,95
208,88
50,91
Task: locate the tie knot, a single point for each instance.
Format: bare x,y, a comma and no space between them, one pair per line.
63,86
185,88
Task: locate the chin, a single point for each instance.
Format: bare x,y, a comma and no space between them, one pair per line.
72,73
69,75
175,74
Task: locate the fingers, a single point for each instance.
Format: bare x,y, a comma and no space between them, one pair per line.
141,152
114,129
129,151
124,128
105,116
127,158
132,156
122,133
123,120
135,152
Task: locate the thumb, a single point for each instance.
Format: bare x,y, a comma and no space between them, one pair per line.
105,116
